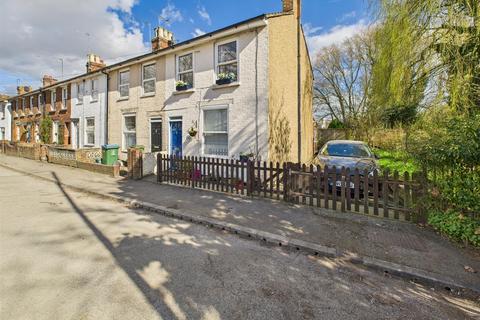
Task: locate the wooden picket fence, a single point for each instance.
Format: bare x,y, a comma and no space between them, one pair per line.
392,196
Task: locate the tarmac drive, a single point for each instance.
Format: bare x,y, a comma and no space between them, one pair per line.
67,255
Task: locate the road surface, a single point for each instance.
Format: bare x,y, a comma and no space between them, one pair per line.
67,255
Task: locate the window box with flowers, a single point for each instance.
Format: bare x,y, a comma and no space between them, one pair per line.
182,85
225,78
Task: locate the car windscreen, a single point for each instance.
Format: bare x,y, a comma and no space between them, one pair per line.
347,150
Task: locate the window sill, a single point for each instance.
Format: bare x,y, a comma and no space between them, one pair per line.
147,95
183,91
93,101
123,98
79,103
228,85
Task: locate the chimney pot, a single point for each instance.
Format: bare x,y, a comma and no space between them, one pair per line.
162,39
292,5
23,89
94,63
48,80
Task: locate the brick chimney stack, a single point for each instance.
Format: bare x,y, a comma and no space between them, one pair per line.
23,89
94,63
48,80
162,39
292,5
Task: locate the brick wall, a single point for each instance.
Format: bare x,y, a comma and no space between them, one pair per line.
113,171
29,151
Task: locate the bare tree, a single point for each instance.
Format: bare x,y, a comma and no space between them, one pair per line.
342,79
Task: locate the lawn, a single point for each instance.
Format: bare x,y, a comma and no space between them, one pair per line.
396,161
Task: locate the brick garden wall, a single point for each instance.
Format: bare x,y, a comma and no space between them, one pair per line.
24,150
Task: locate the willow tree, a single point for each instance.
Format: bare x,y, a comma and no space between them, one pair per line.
428,53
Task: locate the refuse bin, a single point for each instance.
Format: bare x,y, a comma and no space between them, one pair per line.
109,154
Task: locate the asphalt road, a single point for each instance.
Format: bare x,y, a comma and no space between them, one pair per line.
67,255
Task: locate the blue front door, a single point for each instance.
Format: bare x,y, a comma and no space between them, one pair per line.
176,137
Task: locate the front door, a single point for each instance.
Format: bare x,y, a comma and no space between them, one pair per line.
176,136
156,135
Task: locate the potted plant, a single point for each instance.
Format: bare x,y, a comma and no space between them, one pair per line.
181,85
226,78
244,157
192,132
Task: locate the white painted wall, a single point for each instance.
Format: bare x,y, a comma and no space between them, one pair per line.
90,108
239,99
5,120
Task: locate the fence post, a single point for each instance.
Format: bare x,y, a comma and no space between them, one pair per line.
418,193
250,175
159,168
286,174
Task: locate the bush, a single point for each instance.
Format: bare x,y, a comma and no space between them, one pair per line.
336,124
456,226
46,129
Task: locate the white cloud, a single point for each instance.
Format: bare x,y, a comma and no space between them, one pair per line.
197,33
309,30
170,14
335,35
33,40
347,16
203,13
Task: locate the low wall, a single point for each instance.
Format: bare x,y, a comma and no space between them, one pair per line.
69,157
20,149
113,171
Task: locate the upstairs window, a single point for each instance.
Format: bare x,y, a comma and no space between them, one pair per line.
31,102
94,89
40,100
64,98
23,103
80,92
54,100
227,63
215,132
185,69
124,83
148,79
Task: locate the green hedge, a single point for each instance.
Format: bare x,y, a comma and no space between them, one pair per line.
456,226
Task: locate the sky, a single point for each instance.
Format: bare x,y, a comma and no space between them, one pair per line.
36,36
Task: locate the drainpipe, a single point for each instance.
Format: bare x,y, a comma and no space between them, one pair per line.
106,107
299,86
256,93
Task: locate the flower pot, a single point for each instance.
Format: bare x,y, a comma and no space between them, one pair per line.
181,87
223,81
192,133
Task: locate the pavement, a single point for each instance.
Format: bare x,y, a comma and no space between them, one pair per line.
71,255
391,246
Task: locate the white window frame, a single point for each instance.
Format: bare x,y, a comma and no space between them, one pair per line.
40,100
123,85
209,108
149,79
80,91
31,102
64,97
89,129
124,129
55,128
53,99
237,60
94,90
178,73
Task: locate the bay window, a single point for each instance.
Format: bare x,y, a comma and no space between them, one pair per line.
227,60
215,132
148,78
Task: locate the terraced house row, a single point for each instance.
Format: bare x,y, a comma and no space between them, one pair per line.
243,89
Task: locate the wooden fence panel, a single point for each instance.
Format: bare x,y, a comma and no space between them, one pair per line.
388,196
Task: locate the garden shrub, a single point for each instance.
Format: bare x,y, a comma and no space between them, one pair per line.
456,226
